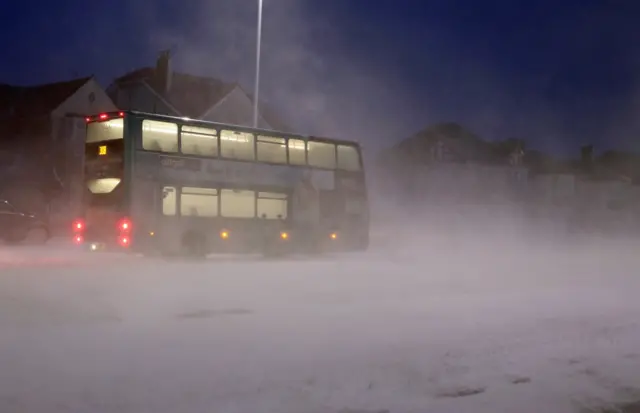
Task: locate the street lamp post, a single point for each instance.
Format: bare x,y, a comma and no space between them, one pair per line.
257,80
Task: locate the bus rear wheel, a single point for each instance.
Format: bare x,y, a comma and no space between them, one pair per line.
194,246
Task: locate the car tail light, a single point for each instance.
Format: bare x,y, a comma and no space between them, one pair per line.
78,239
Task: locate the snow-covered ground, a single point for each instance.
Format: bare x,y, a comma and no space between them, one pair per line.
426,324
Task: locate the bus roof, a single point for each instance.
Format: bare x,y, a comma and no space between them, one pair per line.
190,121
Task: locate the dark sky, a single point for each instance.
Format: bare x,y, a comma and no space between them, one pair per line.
557,73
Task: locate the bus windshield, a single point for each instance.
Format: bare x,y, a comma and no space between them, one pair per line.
105,131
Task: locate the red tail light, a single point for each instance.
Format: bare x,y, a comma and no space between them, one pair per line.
121,114
124,241
103,116
124,225
78,225
78,239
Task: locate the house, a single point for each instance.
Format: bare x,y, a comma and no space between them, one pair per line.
35,156
159,89
447,163
592,193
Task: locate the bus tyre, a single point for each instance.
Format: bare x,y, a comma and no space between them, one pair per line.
194,246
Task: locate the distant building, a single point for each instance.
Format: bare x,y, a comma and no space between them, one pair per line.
159,89
447,163
36,153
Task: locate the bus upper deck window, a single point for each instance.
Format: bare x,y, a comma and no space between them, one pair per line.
199,141
237,145
321,154
105,131
297,149
271,149
348,158
159,136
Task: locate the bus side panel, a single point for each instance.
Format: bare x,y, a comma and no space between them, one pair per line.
354,218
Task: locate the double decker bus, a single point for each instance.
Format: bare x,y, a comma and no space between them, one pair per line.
178,186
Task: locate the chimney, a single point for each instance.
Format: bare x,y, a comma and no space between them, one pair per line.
163,72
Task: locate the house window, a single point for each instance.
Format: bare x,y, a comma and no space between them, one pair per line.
159,136
169,201
199,141
348,158
237,145
198,202
272,205
237,203
272,149
297,150
321,154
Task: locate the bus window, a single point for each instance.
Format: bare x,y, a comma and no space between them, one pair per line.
272,205
297,152
321,154
198,202
105,192
159,136
103,185
236,145
271,149
237,203
105,131
348,158
199,141
169,199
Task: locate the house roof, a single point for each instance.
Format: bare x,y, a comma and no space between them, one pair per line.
26,110
194,95
39,100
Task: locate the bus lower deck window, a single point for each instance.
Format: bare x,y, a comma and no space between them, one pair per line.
169,201
237,203
199,202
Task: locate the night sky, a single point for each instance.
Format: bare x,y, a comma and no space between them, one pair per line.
558,74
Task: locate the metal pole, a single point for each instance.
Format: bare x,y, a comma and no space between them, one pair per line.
257,81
